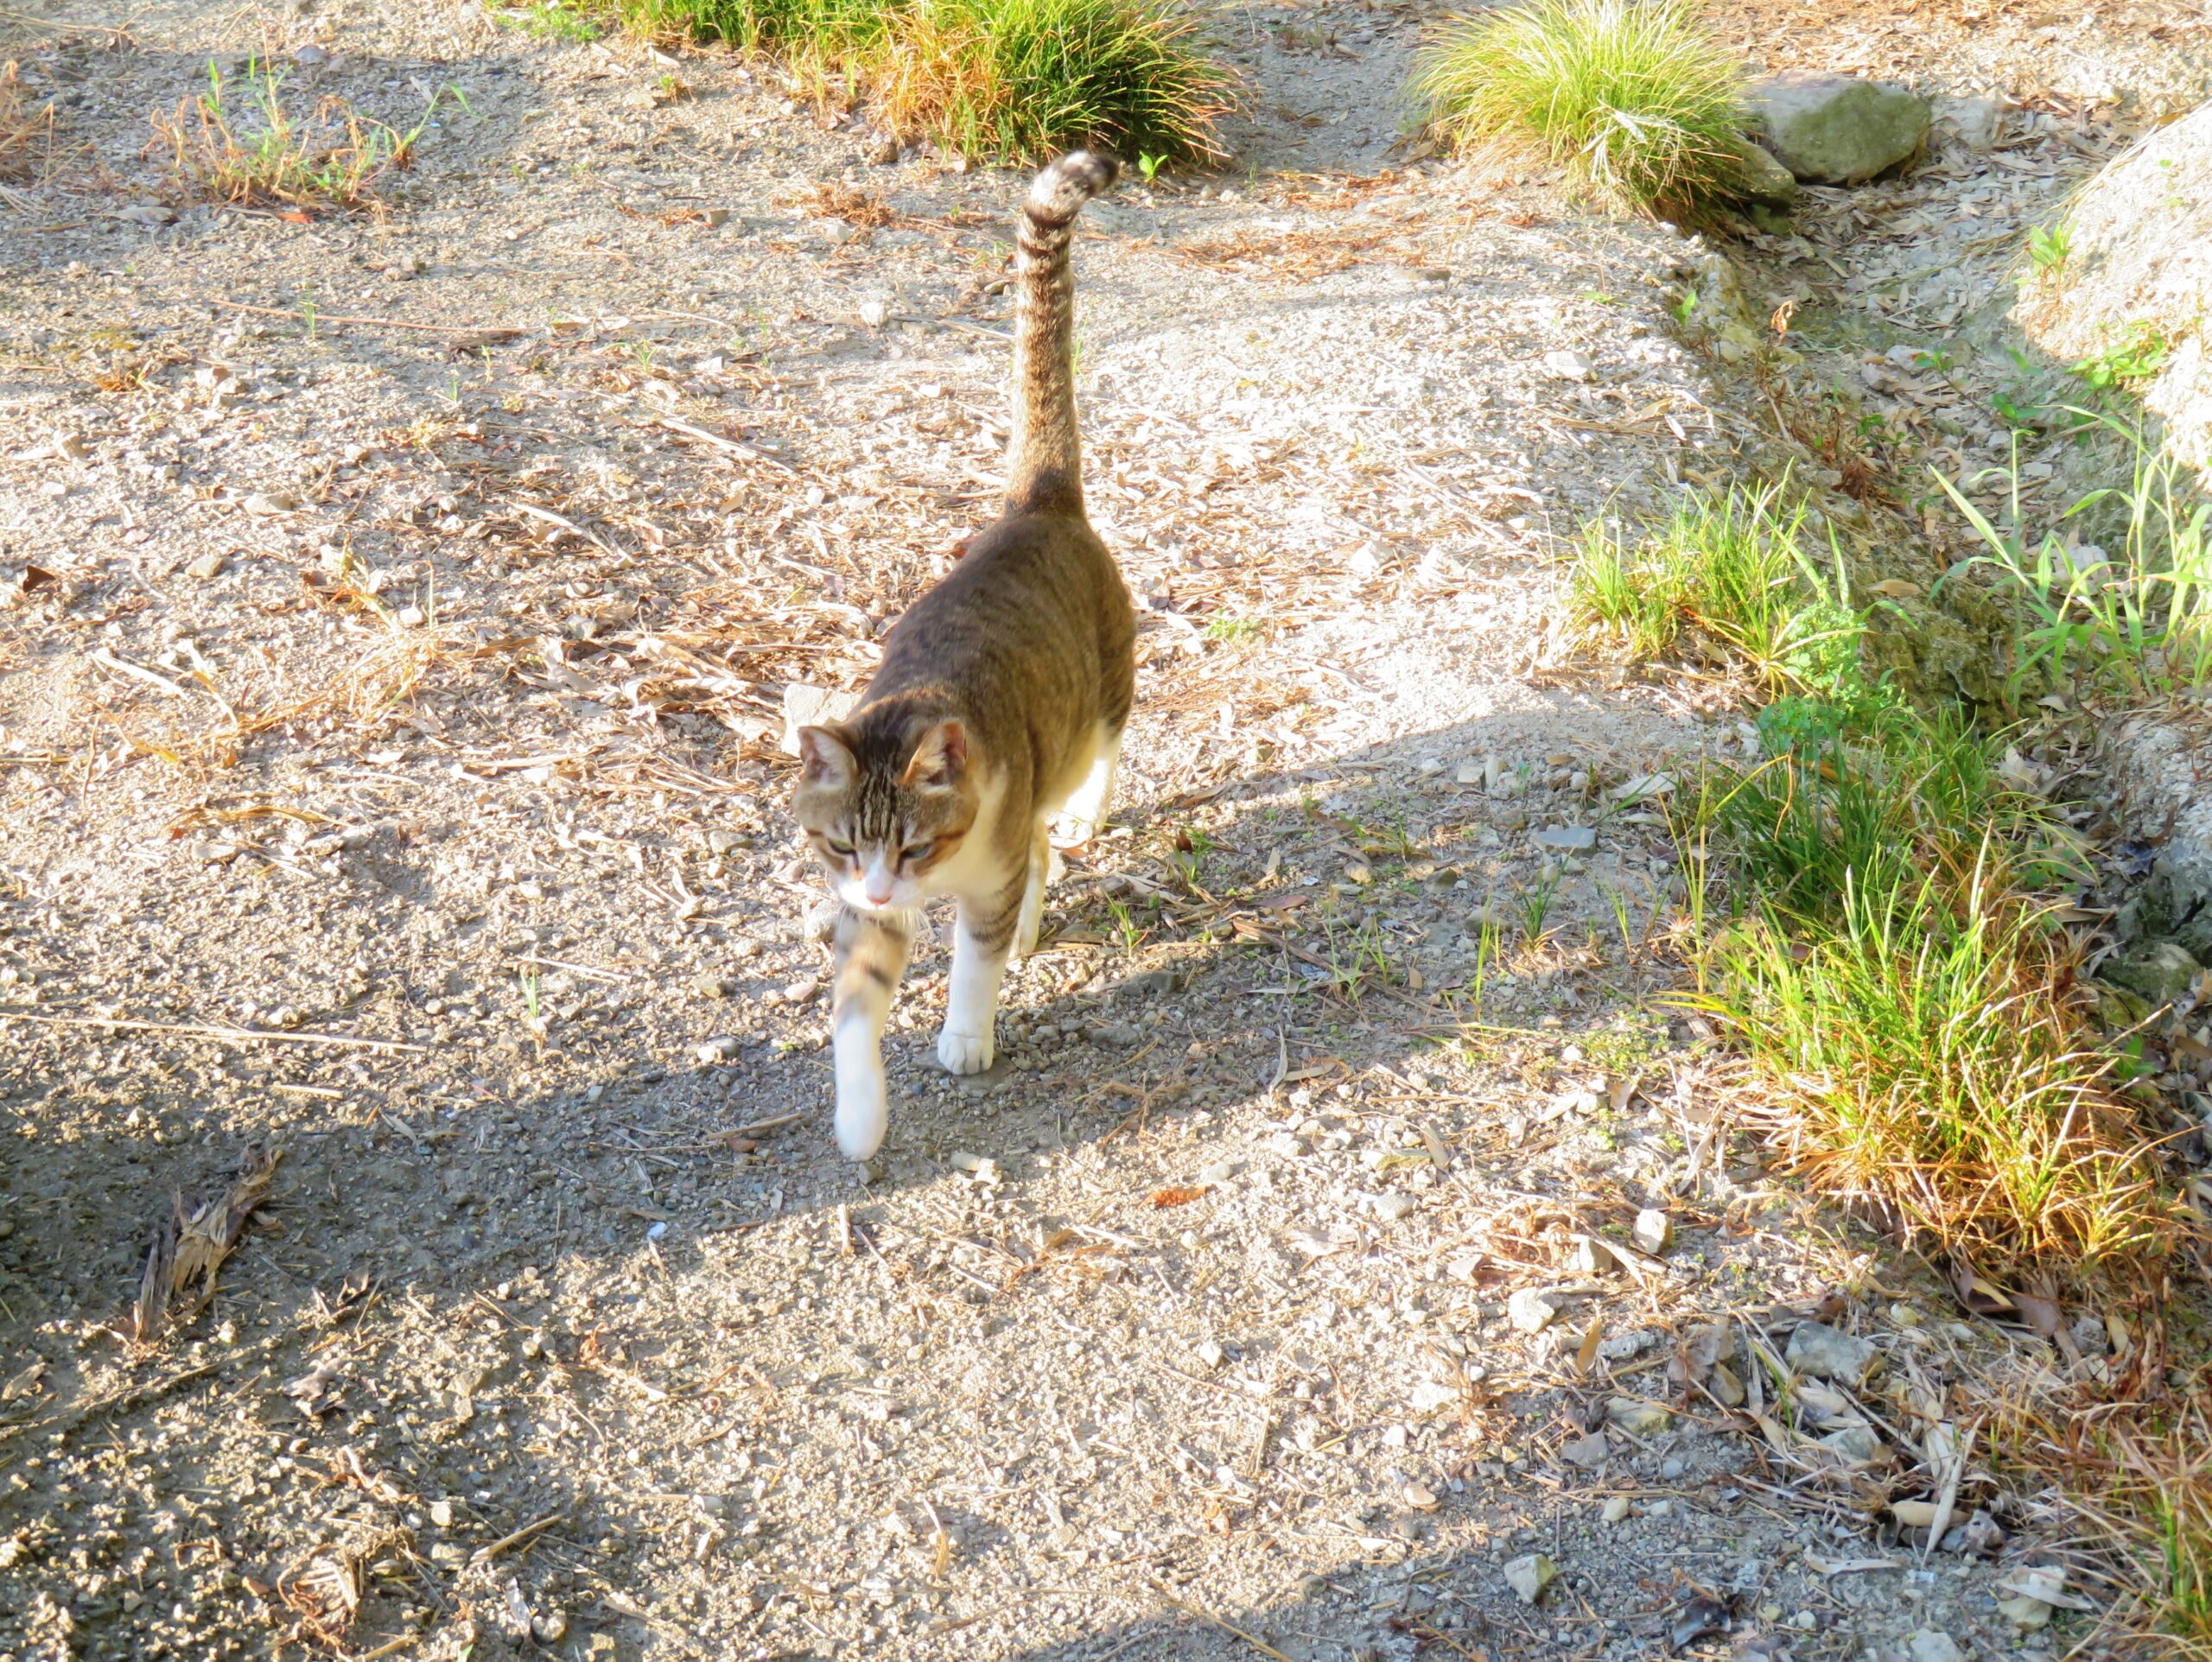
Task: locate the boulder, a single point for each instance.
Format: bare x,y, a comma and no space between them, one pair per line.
1837,130
2139,254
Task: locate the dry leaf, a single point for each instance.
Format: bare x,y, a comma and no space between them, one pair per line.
1586,1352
1176,1195
190,1245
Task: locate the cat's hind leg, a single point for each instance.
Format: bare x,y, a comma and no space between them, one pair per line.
1085,811
1044,866
871,956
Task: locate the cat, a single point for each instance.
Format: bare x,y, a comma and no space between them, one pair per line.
999,705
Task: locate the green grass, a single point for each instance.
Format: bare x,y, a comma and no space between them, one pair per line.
1872,910
1893,969
553,20
1731,567
1634,98
2138,355
1021,79
2136,621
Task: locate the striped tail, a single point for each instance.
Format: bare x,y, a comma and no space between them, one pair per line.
1044,472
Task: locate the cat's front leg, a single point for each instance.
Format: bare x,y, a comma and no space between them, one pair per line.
871,956
980,941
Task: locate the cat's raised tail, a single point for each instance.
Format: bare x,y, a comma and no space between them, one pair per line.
1045,469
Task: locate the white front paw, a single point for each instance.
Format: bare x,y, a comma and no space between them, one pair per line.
863,1112
964,1053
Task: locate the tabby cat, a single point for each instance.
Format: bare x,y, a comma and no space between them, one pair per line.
998,706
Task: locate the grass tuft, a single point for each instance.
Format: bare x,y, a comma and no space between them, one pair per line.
1632,97
1021,79
1730,570
257,149
1886,954
1893,969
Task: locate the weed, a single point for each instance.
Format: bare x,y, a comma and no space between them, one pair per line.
2048,247
2139,621
265,152
1534,900
1148,166
553,20
1635,99
1229,630
1733,566
1356,957
1685,307
1020,79
1127,934
2138,354
1490,957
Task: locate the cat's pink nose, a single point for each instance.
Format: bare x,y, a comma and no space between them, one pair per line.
878,897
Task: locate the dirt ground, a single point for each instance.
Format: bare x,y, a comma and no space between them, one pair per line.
401,609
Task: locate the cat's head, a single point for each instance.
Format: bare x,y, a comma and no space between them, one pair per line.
883,806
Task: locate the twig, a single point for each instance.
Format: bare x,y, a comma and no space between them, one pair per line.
760,1125
528,1533
107,660
1208,1616
569,525
720,443
229,1035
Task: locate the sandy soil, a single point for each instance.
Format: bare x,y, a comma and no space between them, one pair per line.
402,608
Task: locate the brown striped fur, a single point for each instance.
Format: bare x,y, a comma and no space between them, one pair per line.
999,702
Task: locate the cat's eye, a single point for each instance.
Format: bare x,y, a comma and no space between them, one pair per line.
917,851
843,850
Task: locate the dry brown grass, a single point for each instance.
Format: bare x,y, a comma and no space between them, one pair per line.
2127,1459
1300,255
254,148
26,129
391,665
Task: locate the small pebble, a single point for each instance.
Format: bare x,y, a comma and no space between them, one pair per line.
1532,1309
1529,1575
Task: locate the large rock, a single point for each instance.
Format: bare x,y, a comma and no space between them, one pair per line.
1837,130
2138,252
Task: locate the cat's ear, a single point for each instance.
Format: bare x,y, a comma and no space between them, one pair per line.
825,755
940,757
